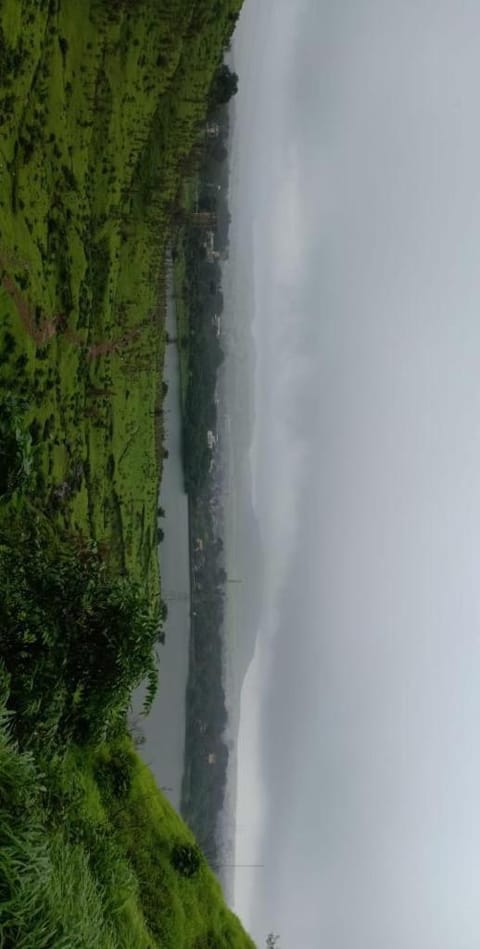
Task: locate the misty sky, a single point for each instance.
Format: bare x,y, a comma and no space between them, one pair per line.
356,194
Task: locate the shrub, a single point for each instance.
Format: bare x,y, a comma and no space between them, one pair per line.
74,639
16,451
114,775
186,859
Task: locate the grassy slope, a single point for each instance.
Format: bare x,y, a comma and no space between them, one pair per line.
97,114
98,108
85,860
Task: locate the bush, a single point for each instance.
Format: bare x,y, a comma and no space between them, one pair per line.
16,451
114,775
74,639
186,859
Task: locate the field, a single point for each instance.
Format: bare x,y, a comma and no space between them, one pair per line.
100,106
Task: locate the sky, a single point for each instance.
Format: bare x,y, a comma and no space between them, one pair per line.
356,198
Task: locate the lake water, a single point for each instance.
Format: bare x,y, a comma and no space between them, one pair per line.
164,728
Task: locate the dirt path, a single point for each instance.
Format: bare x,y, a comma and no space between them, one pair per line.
40,334
43,332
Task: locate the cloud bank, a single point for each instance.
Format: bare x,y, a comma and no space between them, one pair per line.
358,149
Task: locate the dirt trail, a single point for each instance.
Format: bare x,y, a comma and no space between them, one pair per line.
43,332
40,334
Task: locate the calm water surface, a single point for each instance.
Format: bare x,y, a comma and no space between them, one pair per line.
164,729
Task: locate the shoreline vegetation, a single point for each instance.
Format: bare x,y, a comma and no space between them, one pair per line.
200,248
102,105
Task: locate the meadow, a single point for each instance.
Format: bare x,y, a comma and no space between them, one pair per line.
100,106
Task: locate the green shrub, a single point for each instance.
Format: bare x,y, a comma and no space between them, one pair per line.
186,859
74,639
115,774
16,450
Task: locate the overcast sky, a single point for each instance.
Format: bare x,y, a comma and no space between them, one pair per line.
356,192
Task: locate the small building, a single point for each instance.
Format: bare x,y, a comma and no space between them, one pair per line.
212,130
211,439
217,322
212,758
209,245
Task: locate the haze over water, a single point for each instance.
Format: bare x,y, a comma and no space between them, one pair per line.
355,196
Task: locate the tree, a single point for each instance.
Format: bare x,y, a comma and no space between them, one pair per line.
219,151
224,85
186,859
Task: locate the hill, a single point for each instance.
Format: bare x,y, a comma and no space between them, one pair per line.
100,106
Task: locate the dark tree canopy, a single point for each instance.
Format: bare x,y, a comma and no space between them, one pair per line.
224,85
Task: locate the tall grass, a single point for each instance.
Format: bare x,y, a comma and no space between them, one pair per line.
87,857
48,897
57,892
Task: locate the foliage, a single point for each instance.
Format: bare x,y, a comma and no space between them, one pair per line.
114,774
75,640
204,359
81,865
199,305
100,104
203,785
224,85
199,302
47,894
16,451
186,859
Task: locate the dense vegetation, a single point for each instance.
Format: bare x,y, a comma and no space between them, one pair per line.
100,105
206,751
75,638
199,312
99,108
205,358
92,855
199,297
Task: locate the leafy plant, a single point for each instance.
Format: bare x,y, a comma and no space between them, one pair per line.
16,447
74,639
186,859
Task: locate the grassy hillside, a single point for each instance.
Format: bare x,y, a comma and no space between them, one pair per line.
100,105
92,855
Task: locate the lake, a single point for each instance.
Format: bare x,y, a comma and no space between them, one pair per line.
164,728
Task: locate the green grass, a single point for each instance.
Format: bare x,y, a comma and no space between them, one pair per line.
86,857
99,106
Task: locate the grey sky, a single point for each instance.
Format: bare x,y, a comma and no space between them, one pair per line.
357,194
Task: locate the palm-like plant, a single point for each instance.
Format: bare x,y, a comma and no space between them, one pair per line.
16,448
